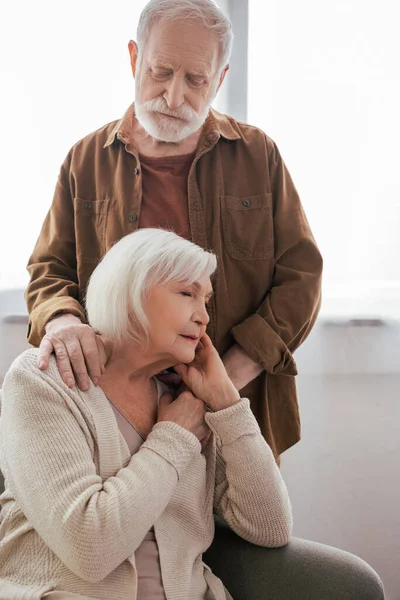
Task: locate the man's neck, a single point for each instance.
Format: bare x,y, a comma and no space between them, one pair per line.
149,146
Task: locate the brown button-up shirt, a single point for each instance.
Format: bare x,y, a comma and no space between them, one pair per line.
242,205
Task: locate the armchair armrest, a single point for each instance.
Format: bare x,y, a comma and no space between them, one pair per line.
301,570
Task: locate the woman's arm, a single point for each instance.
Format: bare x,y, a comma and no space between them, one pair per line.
91,524
250,494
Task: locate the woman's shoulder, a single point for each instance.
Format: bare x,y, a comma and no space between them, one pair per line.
25,367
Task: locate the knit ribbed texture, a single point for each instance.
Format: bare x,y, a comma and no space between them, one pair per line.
77,505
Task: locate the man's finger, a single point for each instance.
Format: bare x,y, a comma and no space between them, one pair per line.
63,362
45,350
102,353
91,356
78,363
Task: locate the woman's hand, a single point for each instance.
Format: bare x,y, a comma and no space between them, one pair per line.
207,378
186,411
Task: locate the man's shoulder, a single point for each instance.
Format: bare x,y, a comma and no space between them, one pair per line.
97,138
240,130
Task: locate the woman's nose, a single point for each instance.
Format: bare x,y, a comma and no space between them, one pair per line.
202,317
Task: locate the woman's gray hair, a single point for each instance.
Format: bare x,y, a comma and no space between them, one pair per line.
204,11
116,294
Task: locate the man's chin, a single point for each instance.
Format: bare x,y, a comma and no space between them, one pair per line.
165,134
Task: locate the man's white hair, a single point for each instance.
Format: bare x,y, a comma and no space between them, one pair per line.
203,11
116,294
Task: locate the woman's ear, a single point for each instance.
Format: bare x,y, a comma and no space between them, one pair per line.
133,55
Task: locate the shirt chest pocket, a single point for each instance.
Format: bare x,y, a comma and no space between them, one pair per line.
247,226
90,218
90,228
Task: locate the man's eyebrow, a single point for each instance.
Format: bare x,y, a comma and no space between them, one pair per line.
162,65
197,74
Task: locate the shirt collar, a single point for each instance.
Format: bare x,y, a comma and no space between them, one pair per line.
216,123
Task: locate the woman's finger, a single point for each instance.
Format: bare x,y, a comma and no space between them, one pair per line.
206,341
181,369
165,399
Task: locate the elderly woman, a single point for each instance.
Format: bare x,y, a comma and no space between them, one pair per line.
110,493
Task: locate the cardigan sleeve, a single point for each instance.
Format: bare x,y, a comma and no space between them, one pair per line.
250,494
91,524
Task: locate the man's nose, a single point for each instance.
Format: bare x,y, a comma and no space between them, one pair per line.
174,95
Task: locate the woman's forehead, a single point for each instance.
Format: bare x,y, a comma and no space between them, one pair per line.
202,285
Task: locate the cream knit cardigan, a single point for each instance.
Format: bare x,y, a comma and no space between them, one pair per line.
77,505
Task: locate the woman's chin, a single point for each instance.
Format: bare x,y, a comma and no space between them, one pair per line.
184,357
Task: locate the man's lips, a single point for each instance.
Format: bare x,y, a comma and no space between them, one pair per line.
171,117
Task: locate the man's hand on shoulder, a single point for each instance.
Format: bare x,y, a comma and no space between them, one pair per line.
79,351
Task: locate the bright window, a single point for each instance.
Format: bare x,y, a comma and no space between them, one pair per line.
324,83
64,72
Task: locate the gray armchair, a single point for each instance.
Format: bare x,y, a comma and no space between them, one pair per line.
302,570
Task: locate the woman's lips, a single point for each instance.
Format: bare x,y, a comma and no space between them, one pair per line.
190,339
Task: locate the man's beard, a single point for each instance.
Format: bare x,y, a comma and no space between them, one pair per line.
151,116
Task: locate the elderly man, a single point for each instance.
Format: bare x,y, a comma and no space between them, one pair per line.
173,162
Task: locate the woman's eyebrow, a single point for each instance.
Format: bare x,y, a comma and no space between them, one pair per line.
198,287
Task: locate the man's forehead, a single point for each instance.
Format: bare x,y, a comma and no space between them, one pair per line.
194,44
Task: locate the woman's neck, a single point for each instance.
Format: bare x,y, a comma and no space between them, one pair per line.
132,365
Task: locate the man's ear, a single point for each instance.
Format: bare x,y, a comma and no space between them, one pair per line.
222,77
133,55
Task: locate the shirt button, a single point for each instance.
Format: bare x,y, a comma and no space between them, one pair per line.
87,205
137,171
246,203
133,217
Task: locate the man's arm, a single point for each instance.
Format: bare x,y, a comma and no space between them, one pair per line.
286,316
56,316
53,285
240,367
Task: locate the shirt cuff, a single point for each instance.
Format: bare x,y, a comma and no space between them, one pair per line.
43,313
264,346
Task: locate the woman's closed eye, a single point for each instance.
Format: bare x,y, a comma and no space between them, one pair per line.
190,295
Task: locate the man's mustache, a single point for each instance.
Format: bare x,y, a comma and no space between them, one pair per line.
160,106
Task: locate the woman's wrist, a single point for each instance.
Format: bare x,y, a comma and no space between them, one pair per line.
224,399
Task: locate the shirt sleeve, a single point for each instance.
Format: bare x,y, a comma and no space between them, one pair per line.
92,524
53,285
287,314
250,494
